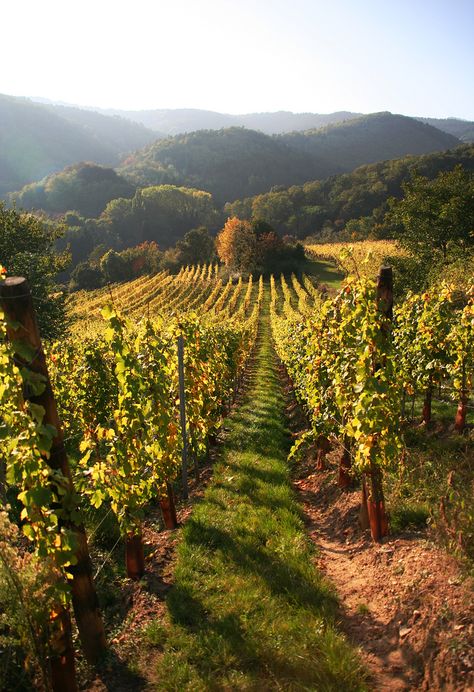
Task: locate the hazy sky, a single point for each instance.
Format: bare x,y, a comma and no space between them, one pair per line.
408,56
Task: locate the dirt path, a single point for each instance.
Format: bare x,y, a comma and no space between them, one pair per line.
404,602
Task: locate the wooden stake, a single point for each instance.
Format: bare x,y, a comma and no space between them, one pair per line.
134,556
364,511
345,479
322,446
168,508
375,499
461,413
22,330
427,404
182,416
61,661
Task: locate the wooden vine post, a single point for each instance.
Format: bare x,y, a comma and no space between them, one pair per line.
182,416
22,330
374,497
322,448
345,479
461,412
427,403
134,555
168,508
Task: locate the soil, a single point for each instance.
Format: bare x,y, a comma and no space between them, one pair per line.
406,604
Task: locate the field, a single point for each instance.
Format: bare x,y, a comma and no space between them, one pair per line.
238,454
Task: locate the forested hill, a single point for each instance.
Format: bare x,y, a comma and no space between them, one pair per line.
236,162
325,206
463,129
229,163
36,140
83,187
371,138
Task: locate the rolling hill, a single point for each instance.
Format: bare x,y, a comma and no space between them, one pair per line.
463,129
36,140
83,187
229,163
362,193
237,162
370,138
173,121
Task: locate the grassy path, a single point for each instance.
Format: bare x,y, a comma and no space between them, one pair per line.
248,609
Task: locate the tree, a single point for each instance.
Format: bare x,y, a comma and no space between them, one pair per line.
170,211
123,217
197,247
236,245
145,258
436,214
114,267
27,248
86,276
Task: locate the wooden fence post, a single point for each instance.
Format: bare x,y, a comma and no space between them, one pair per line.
22,329
182,417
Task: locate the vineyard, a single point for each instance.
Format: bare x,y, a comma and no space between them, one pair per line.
101,430
363,257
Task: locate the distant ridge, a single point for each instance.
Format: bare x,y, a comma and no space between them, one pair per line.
371,138
183,120
173,121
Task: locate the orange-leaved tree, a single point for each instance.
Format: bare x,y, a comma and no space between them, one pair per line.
236,245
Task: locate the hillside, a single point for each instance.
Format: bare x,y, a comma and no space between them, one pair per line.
229,163
328,204
463,129
117,133
237,162
83,187
36,140
371,138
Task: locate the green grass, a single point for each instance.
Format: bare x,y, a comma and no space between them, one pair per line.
324,271
248,609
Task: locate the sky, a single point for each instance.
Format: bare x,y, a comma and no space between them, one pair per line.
414,57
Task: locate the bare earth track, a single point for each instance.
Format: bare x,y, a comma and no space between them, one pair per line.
404,603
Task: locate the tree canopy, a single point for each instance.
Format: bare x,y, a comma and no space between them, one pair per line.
27,249
236,245
436,216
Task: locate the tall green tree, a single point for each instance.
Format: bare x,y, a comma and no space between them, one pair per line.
436,217
197,247
27,248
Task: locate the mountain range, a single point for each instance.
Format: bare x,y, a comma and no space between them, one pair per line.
230,156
